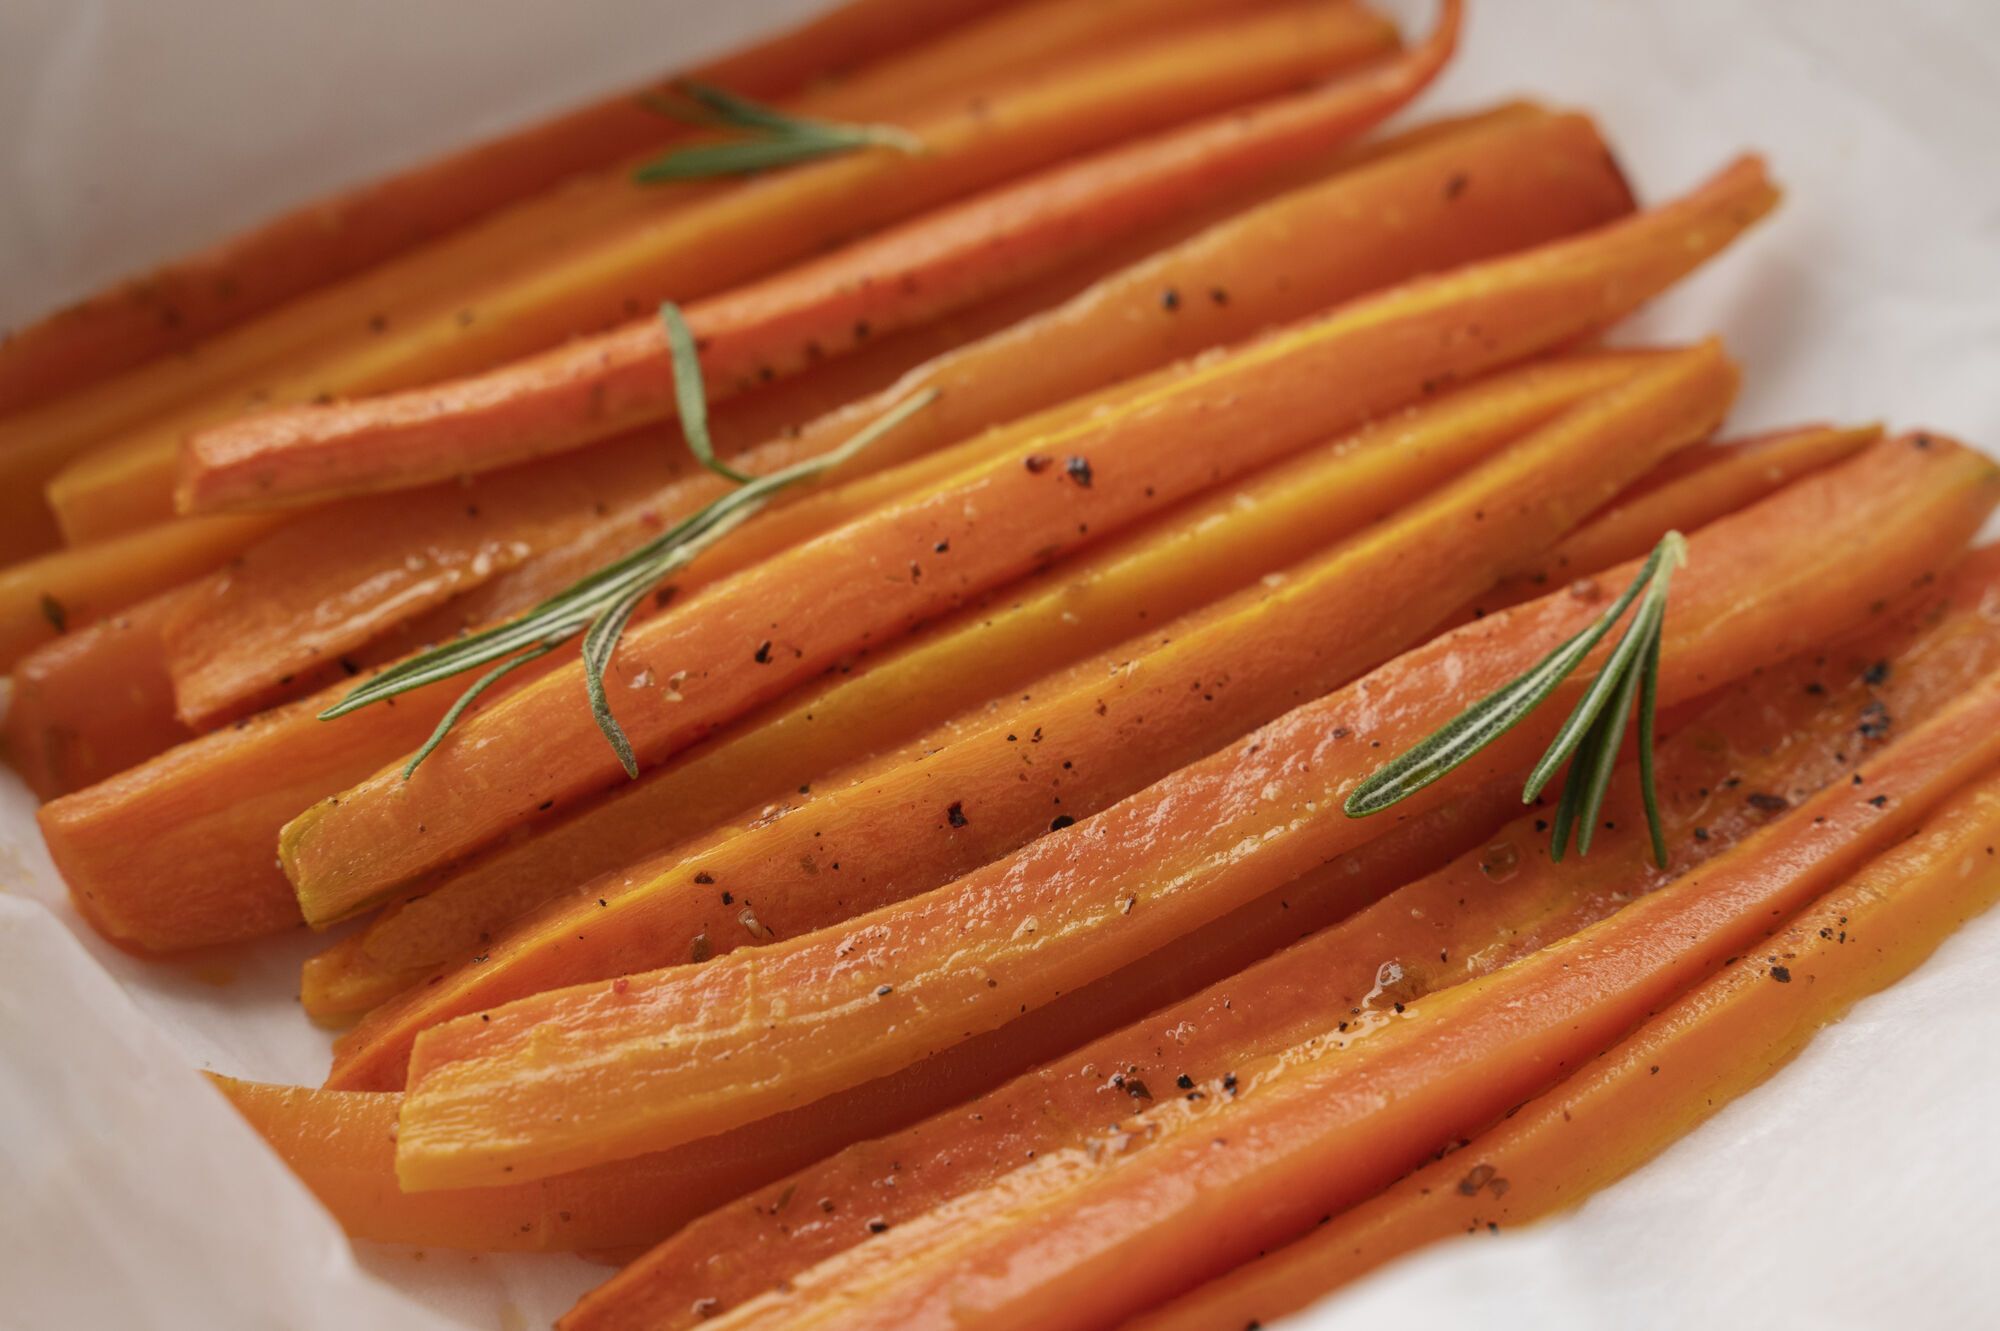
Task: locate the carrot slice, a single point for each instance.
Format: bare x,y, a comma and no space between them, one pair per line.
1084,900
1781,736
1002,778
1540,176
1659,1083
816,601
624,378
1189,1189
172,307
720,235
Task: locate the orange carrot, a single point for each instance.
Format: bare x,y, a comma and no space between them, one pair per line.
817,601
1493,904
1708,1047
703,238
172,307
1012,774
1086,899
601,386
1189,1189
973,663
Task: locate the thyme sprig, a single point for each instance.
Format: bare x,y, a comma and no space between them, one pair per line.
771,137
1589,740
601,604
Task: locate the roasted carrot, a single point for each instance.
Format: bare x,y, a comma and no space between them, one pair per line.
44,598
600,386
815,601
722,235
1672,1074
1026,768
1189,1189
1775,736
1266,813
1386,220
172,307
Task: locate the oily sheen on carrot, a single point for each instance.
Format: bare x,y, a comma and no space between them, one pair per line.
1538,177
1189,1189
1091,734
900,705
1781,736
600,386
730,233
172,307
852,586
1084,900
1665,1079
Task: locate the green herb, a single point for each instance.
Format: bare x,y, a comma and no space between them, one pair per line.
601,604
772,138
690,396
1588,740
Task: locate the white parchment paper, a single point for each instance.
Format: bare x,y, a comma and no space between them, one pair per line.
1856,1189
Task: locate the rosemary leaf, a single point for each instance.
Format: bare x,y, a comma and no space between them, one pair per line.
1593,775
470,696
690,396
774,138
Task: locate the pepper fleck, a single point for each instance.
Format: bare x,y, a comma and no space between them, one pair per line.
1079,471
955,815
1782,974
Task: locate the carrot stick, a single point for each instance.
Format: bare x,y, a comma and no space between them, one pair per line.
1084,900
1191,1188
172,307
1495,903
724,234
71,589
600,386
1672,1074
816,601
1386,220
1039,765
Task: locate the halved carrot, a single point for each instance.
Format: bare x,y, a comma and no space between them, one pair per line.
726,234
1539,176
1617,1112
1018,770
600,386
172,307
1189,1189
812,603
697,1049
1780,736
44,598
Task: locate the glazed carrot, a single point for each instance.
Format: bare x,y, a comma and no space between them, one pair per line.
91,704
72,589
1541,176
816,601
600,386
172,307
1772,735
1189,1189
1084,900
975,664
724,234
1672,1074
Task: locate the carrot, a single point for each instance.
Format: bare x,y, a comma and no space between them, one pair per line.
818,600
1086,899
91,703
173,307
1191,1188
1388,219
600,386
71,589
1020,771
1705,1049
721,235
1491,905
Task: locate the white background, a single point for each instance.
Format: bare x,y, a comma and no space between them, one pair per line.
1858,1189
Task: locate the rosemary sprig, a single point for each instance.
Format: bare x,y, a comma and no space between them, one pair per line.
1589,739
602,603
772,138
